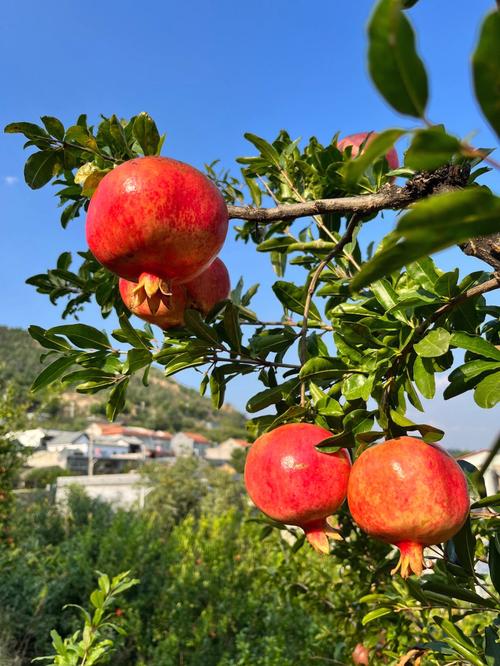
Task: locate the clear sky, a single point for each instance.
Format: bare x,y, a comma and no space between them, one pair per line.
208,72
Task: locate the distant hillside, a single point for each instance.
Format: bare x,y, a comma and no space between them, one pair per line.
164,404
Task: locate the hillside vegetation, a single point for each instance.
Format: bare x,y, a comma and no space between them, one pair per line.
164,404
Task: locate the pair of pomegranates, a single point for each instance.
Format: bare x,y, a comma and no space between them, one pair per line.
158,224
402,491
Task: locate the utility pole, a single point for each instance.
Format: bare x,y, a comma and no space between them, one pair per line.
92,432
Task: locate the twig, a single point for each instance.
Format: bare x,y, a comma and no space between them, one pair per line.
253,361
292,324
346,238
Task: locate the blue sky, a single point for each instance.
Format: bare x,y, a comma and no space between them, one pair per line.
208,72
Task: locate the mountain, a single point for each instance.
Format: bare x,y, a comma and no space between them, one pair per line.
164,404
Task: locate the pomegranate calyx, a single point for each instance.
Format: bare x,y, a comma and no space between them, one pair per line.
318,535
152,284
411,560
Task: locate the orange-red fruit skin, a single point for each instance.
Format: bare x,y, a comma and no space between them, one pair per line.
410,494
356,140
156,215
292,482
210,287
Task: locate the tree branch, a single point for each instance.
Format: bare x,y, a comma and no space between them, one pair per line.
389,197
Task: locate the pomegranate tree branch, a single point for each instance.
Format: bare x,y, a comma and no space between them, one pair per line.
346,238
252,361
389,197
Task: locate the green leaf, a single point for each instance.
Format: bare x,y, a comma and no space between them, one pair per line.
375,615
430,149
146,133
232,327
423,376
379,146
455,592
194,322
137,359
322,368
133,336
464,544
395,67
30,130
435,343
357,386
476,345
217,388
83,336
41,167
486,70
270,396
54,127
266,149
293,298
431,225
52,372
494,560
487,392
116,400
48,340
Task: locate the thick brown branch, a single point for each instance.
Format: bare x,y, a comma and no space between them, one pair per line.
486,248
389,197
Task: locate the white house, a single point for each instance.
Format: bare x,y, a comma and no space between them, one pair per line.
222,453
189,444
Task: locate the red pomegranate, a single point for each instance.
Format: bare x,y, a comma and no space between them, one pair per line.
361,655
155,301
158,216
354,141
210,287
292,482
410,494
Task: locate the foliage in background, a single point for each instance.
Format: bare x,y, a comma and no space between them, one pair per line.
218,585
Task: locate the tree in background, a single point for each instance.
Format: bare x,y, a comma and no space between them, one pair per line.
359,337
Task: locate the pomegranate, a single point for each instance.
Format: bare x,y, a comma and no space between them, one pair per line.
293,483
354,141
410,494
209,288
158,216
361,655
155,301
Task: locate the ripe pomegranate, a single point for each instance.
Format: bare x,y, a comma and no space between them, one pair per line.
158,216
210,287
361,655
410,494
354,141
156,302
292,482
